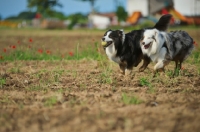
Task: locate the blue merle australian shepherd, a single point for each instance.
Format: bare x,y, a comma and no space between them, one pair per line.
162,47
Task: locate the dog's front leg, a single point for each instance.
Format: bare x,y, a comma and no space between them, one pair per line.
159,65
122,67
146,61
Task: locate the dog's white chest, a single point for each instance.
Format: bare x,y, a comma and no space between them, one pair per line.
154,57
111,53
160,55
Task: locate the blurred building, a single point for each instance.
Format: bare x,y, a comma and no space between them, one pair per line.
149,7
102,20
182,10
188,7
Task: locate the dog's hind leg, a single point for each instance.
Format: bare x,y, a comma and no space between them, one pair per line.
178,66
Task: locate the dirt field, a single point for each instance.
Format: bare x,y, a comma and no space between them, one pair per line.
92,96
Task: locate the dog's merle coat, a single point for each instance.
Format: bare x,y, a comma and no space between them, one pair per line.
164,47
125,49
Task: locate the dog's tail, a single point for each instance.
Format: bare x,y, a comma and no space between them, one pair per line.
163,22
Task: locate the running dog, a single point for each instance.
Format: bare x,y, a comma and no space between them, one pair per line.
162,47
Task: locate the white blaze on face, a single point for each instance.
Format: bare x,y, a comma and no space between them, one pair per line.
106,37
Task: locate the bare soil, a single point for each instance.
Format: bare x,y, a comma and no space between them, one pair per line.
87,95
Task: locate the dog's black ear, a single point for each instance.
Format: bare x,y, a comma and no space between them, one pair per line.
107,32
120,32
163,22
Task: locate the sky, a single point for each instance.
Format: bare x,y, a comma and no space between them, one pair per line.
14,7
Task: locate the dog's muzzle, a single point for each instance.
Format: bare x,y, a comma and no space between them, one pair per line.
106,44
147,45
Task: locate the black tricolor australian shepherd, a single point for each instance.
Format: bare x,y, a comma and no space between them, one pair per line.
125,49
162,47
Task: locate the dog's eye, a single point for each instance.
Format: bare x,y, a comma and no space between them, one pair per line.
110,36
142,38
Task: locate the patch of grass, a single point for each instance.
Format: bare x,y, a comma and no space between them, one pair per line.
21,53
196,57
105,76
199,70
40,86
82,86
61,90
34,88
49,102
15,70
74,73
2,82
144,82
176,72
57,73
169,73
91,52
5,99
130,99
172,73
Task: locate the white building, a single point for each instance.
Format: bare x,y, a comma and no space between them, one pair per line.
102,21
188,7
147,7
137,5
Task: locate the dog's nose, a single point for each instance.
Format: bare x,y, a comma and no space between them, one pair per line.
103,39
143,43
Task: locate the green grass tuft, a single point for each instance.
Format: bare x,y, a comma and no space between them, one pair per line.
130,99
49,102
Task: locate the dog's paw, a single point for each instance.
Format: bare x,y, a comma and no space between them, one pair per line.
141,69
122,72
128,72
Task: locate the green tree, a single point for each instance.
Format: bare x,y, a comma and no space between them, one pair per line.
26,15
45,7
76,18
59,15
121,13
